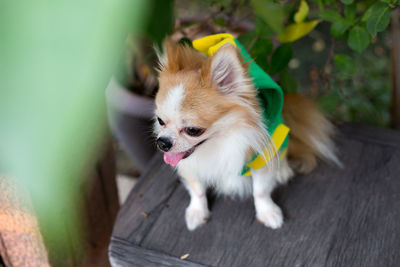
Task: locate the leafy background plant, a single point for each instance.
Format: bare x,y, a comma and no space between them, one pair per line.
337,52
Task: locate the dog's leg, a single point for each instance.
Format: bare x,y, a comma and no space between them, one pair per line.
285,172
197,212
267,212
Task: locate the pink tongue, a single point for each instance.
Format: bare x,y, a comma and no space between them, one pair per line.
173,159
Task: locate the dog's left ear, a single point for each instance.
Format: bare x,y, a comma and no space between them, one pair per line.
227,70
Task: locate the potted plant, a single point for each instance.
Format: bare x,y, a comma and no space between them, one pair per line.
130,93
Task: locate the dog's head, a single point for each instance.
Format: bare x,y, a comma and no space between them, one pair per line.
200,98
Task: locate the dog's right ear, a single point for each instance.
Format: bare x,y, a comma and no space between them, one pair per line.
227,71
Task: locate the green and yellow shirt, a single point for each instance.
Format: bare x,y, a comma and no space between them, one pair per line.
269,93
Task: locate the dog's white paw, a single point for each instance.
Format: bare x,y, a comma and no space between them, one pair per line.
196,217
270,215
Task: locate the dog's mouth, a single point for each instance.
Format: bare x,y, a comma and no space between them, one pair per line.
174,158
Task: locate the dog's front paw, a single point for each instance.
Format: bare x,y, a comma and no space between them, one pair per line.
195,217
270,215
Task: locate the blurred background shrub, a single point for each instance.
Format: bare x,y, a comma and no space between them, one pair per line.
337,52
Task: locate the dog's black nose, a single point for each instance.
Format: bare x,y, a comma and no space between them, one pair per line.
164,144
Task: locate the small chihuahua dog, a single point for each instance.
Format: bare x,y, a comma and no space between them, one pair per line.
209,124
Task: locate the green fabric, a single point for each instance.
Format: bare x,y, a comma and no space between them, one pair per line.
269,93
270,96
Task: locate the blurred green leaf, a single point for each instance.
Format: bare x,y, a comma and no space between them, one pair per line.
329,102
330,15
263,63
302,12
295,31
162,22
350,12
339,27
345,65
271,12
263,30
378,18
358,38
347,2
287,82
262,48
260,52
248,38
220,21
329,2
367,14
280,58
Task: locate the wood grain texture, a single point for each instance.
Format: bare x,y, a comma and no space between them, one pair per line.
125,253
333,217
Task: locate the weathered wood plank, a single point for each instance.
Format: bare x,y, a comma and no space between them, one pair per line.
146,201
369,134
334,217
127,254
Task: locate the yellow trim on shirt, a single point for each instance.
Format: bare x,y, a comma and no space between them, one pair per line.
278,137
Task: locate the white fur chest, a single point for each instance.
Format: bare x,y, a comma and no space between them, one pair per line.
218,164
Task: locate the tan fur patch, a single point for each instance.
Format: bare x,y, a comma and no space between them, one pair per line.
307,126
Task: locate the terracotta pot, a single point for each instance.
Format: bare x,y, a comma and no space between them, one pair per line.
131,119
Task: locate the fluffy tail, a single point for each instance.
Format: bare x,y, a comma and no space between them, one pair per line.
310,134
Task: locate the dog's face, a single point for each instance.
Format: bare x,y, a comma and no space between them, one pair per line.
198,98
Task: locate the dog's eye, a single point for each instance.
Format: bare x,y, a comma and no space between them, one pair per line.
193,131
160,121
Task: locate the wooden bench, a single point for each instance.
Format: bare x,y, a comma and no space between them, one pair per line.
333,217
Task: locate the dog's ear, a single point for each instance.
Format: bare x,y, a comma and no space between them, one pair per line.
227,70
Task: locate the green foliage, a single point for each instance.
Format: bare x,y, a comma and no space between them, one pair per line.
330,15
280,58
351,22
262,48
362,96
248,38
347,2
302,13
358,38
288,82
329,102
378,18
161,22
341,81
260,52
271,12
345,66
339,27
350,12
220,21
